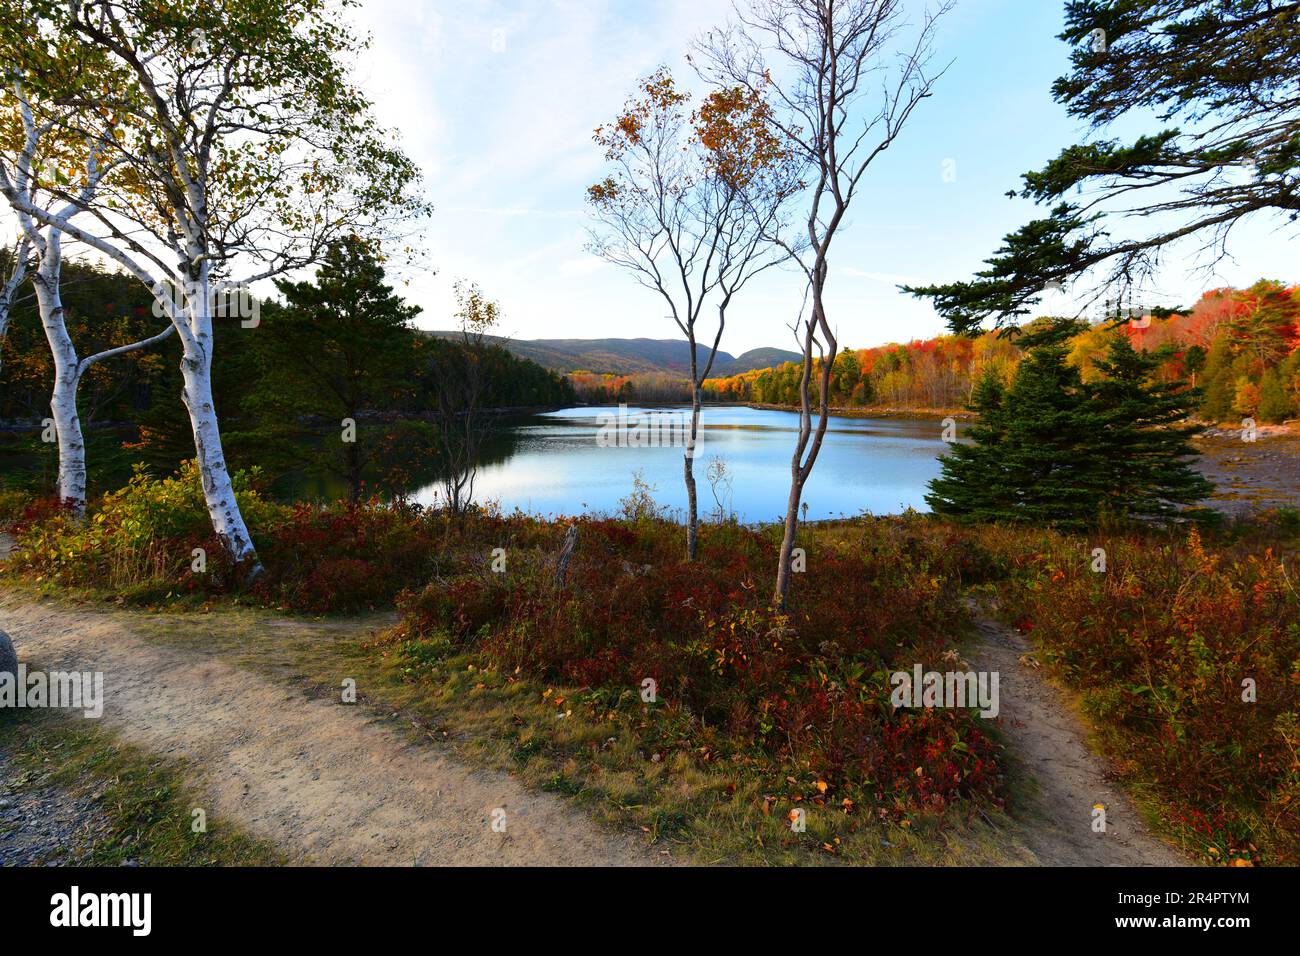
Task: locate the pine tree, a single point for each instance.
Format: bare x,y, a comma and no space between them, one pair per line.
1048,461
970,483
1053,449
1144,448
1220,383
1212,81
339,347
1030,444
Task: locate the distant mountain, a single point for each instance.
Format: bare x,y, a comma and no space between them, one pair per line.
632,356
759,358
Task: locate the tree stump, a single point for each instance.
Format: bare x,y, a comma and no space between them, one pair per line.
566,552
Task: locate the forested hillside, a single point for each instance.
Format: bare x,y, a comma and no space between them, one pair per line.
629,357
275,381
1241,347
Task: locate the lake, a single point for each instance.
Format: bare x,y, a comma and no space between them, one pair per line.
583,460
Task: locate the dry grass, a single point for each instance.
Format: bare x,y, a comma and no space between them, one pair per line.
708,813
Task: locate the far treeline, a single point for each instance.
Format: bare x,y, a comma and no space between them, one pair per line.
1240,347
292,370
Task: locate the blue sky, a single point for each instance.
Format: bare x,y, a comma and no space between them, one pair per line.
497,101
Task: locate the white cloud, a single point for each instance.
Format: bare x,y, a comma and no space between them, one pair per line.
886,277
583,266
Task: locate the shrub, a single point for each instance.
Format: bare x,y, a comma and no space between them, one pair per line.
803,690
14,505
1161,645
20,510
138,540
344,556
461,607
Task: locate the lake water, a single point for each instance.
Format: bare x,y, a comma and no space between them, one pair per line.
576,460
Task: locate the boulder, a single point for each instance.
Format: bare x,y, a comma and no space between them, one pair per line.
8,656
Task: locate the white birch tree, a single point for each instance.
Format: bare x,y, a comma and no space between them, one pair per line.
18,266
39,158
244,151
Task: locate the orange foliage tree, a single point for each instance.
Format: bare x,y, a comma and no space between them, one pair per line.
690,208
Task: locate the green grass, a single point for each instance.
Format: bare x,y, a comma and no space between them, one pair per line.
142,805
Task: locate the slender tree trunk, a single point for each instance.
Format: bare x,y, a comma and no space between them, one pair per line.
688,469
67,376
17,273
72,445
196,372
354,470
788,537
473,368
810,440
797,478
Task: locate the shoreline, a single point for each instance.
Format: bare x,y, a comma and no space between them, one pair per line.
836,411
870,411
1251,476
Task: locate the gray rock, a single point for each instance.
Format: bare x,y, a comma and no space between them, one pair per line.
8,656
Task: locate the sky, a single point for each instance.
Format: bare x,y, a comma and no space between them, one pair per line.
497,101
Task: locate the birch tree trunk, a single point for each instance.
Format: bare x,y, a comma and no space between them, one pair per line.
782,591
196,372
67,375
10,289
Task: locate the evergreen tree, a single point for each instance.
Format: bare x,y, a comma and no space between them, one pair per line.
971,482
1194,361
1288,374
1226,69
1220,383
1274,403
1048,463
1053,449
1144,448
339,347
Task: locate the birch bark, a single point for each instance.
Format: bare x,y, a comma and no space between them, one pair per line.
10,289
67,375
196,373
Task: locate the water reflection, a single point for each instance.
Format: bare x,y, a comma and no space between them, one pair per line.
554,464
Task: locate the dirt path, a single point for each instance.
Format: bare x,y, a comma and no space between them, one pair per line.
1047,743
328,784
323,781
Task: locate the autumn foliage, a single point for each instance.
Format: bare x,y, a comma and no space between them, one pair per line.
1241,346
1187,654
932,373
1160,644
807,691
